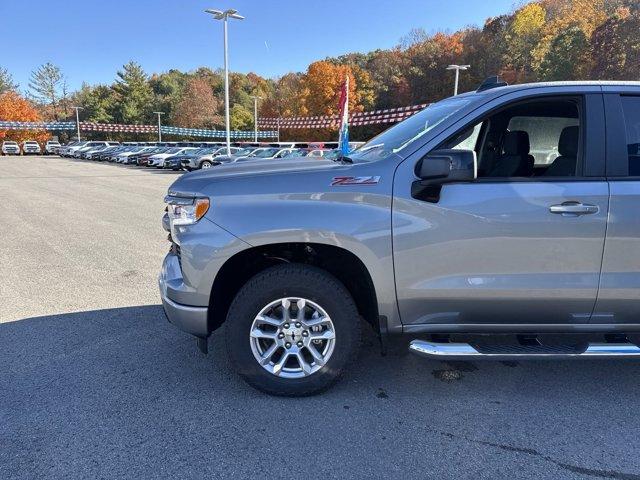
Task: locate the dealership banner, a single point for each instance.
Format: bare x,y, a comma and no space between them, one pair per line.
197,132
121,128
373,117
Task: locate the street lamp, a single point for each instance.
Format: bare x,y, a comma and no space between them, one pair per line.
159,125
255,117
224,15
78,119
457,68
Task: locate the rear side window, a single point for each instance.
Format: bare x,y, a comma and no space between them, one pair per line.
544,135
631,108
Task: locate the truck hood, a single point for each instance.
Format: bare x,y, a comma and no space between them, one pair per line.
194,182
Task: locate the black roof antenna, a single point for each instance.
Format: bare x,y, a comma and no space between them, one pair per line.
492,82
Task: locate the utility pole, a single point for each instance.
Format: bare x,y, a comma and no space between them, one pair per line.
159,125
457,68
224,16
77,109
255,117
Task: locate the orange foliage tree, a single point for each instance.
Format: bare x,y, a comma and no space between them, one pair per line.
14,108
320,89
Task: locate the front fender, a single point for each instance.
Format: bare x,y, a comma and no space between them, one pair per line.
355,221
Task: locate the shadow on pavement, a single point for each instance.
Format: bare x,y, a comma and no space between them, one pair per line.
120,393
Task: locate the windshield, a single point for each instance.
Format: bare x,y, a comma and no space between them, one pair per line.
399,136
265,152
242,153
173,150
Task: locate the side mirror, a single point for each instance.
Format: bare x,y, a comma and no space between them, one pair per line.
440,167
447,166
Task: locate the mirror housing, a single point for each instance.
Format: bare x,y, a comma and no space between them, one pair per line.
447,166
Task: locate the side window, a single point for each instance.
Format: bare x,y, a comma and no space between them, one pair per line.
544,135
526,140
467,140
631,109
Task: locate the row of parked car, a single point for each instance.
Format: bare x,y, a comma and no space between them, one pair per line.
193,155
28,147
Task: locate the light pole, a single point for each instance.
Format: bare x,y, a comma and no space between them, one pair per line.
224,15
457,68
159,125
78,120
255,117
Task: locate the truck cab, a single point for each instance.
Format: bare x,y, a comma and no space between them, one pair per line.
497,224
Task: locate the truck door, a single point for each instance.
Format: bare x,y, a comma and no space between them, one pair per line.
522,244
619,294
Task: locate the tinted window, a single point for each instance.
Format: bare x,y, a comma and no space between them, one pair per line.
631,108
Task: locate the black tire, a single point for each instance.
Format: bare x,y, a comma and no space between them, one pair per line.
293,280
206,164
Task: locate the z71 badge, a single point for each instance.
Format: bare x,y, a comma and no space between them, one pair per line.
341,181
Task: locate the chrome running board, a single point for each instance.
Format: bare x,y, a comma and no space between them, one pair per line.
465,351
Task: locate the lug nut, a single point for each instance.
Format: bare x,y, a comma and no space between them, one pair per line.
287,345
298,324
305,334
286,325
300,344
281,335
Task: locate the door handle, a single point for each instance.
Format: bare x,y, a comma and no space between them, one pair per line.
574,209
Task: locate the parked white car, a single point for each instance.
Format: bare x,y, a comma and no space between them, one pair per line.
77,153
67,151
51,147
31,147
10,148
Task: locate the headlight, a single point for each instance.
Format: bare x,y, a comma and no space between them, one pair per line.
186,211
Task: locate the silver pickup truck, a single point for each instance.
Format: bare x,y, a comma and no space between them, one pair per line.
444,229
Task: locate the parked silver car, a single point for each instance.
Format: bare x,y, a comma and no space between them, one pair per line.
444,229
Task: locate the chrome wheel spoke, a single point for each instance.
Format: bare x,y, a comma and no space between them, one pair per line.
277,368
286,305
317,356
259,333
266,320
266,356
324,335
306,366
301,304
317,322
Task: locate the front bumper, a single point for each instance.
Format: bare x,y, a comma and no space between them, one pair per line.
188,318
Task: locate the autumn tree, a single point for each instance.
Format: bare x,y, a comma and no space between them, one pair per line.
523,35
6,81
15,108
615,47
567,57
46,87
320,89
199,108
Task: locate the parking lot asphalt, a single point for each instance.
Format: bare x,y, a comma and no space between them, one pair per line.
94,383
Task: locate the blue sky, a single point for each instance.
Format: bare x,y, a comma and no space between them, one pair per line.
91,39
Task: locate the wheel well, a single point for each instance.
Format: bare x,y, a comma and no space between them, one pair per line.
341,263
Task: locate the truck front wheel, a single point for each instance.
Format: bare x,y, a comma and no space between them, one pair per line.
292,330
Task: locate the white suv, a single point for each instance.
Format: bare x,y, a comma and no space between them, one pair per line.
31,147
10,148
51,147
